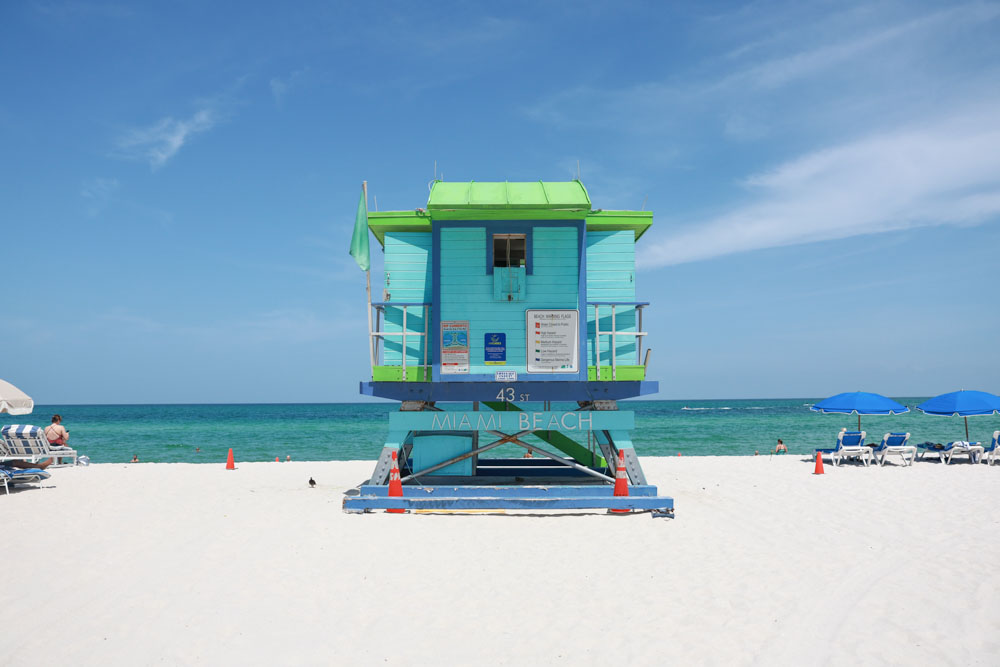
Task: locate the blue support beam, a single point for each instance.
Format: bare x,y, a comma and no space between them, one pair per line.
363,503
555,491
566,390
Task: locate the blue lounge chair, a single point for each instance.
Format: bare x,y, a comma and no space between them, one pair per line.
895,443
11,476
991,452
945,453
850,444
29,443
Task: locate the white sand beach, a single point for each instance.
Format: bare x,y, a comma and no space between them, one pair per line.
764,563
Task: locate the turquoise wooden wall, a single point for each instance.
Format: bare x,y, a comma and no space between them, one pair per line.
407,280
611,277
467,290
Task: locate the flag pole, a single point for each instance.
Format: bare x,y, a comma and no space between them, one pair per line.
368,291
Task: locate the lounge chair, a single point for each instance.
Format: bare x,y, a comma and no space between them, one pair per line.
11,476
29,443
992,452
946,453
850,444
895,443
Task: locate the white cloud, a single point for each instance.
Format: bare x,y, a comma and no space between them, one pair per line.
934,173
98,192
161,141
99,188
280,86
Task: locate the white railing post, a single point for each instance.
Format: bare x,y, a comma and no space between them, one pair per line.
638,339
597,338
404,343
614,345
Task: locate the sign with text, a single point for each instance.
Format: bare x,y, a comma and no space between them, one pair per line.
454,346
553,341
511,422
495,349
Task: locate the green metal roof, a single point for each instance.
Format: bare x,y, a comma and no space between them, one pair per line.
537,200
536,195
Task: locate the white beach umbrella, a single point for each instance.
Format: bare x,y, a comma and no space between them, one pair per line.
14,401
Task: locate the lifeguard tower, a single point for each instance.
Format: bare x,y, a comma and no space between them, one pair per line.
507,297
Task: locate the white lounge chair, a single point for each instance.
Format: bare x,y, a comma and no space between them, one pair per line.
26,442
850,444
11,476
946,453
895,443
993,452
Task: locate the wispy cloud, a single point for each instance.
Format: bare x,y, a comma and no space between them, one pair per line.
97,192
280,86
161,141
936,173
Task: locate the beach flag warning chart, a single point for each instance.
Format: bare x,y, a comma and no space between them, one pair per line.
553,341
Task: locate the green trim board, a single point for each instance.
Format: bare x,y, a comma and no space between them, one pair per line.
417,373
622,373
612,221
395,374
380,222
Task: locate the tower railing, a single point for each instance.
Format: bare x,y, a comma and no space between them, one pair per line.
379,336
614,333
617,308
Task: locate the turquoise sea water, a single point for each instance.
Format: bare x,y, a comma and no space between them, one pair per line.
352,431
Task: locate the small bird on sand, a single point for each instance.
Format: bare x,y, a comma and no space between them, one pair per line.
312,482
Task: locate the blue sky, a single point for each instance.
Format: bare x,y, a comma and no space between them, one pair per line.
178,183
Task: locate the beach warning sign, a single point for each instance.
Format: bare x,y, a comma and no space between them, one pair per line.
455,346
553,341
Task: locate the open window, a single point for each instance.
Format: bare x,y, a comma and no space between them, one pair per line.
510,252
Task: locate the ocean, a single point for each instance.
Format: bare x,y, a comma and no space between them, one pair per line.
353,431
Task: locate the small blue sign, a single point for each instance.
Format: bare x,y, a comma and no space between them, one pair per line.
495,349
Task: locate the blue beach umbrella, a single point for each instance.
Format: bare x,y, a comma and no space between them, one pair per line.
860,403
962,404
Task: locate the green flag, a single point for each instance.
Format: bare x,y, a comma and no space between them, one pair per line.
359,241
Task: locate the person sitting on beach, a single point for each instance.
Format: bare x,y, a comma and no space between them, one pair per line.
135,458
41,465
780,448
56,433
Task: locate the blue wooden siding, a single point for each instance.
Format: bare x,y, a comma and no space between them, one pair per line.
611,277
408,280
467,290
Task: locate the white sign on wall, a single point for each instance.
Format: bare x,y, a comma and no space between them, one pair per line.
553,343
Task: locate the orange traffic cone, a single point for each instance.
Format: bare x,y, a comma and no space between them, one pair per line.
621,482
230,464
395,486
819,464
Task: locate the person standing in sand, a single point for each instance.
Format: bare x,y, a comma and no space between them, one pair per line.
56,433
